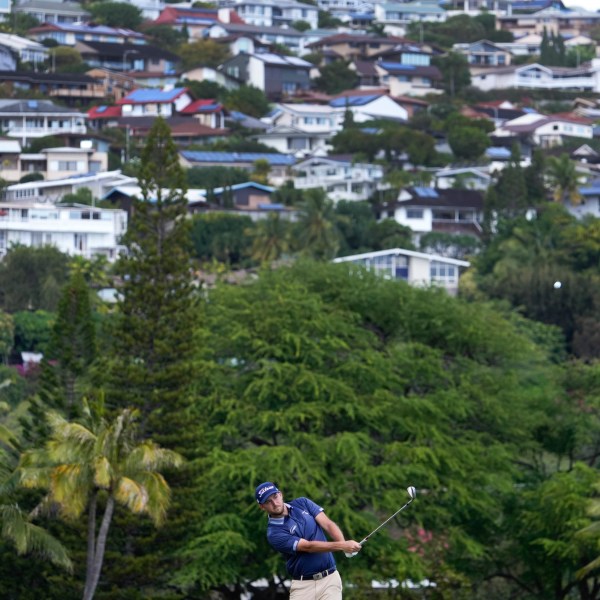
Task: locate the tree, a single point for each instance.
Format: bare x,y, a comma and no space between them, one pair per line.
221,237
206,53
94,461
16,525
321,385
468,143
31,278
562,175
154,362
165,37
301,25
336,77
455,72
317,234
511,188
327,20
116,14
248,100
7,336
66,59
270,239
260,171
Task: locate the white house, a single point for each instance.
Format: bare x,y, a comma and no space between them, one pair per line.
535,76
295,141
396,16
78,230
155,102
27,50
471,178
54,190
546,131
425,209
416,268
51,163
341,178
590,201
280,13
27,119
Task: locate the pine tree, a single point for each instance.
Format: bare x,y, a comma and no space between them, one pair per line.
152,362
155,324
71,352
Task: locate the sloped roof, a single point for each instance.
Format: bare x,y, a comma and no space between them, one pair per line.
202,107
354,100
117,51
401,69
104,112
146,95
236,157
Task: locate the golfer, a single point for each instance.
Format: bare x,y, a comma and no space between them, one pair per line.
297,530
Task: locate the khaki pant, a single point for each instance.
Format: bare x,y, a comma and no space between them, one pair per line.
328,588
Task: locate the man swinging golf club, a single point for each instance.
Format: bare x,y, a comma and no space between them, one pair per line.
297,530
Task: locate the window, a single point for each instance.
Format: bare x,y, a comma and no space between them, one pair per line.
80,241
414,213
67,165
443,273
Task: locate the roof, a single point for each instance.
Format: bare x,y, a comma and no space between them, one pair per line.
17,42
73,8
104,112
36,107
172,15
116,50
237,157
154,95
283,61
342,38
403,252
397,68
498,153
441,198
33,77
92,29
202,107
259,30
354,100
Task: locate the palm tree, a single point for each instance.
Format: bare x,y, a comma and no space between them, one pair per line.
270,239
83,463
15,523
317,232
562,175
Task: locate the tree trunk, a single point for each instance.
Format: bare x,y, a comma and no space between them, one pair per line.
91,542
90,586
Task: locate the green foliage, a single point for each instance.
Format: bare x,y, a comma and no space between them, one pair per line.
19,23
34,176
336,77
32,330
165,37
212,177
7,336
270,239
316,232
249,100
468,143
204,89
36,145
81,196
31,278
325,390
66,59
563,177
116,14
287,194
205,53
447,244
327,20
455,72
552,50
221,237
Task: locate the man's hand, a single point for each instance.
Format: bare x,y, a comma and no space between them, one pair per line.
351,547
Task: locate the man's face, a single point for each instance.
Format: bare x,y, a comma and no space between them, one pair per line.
274,505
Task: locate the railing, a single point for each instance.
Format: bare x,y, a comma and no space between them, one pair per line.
564,83
93,92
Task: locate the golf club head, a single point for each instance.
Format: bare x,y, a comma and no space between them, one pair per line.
412,492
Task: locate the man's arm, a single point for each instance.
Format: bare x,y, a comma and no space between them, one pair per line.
335,533
330,527
348,546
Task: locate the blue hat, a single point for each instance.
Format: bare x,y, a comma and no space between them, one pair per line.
264,490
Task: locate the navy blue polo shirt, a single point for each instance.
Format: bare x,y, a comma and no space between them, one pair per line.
284,533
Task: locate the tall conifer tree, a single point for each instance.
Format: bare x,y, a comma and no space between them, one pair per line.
152,361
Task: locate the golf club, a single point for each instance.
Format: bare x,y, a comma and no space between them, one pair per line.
412,492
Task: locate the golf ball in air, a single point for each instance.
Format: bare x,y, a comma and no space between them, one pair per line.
557,285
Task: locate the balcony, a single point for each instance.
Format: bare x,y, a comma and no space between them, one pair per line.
95,91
